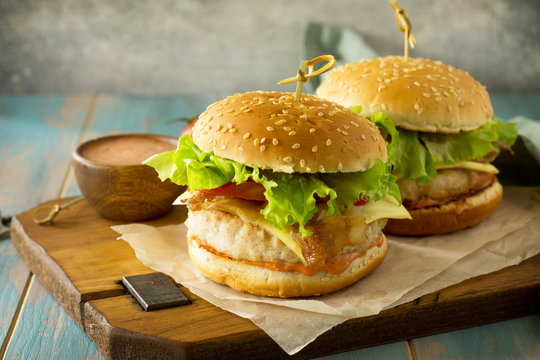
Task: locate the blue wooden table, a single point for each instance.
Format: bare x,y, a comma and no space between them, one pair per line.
37,136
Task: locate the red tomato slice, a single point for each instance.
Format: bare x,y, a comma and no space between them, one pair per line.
361,201
189,128
248,191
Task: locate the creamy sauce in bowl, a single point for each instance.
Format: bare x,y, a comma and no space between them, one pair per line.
125,149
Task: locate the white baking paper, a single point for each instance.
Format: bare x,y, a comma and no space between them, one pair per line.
414,266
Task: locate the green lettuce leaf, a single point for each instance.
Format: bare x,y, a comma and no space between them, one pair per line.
469,145
409,158
291,197
414,154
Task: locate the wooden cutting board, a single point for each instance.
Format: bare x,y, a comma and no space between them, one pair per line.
80,261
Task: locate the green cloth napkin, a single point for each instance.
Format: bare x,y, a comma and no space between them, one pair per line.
520,168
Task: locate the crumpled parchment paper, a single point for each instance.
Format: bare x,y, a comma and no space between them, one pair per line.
414,266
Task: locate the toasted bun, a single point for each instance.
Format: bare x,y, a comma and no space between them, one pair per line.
453,216
416,94
286,284
272,131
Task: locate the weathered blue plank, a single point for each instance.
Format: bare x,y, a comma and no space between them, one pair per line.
394,351
507,106
35,133
13,275
45,331
512,339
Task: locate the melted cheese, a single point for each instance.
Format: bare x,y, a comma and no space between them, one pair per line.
470,165
388,207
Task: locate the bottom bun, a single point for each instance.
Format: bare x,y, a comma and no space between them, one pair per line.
258,280
450,217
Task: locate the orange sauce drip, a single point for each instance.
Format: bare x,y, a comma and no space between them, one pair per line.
334,268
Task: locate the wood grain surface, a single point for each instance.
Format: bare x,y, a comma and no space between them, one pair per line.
81,262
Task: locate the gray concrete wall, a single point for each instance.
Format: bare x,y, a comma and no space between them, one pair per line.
220,47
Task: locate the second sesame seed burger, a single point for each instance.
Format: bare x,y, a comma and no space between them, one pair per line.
286,198
445,137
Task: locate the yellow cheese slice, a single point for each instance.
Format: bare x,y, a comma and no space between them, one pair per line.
471,165
387,207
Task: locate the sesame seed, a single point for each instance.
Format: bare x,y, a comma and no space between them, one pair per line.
449,108
219,127
320,114
256,141
355,123
328,142
426,95
262,148
445,93
296,146
374,137
263,140
416,106
321,168
223,147
344,132
416,83
330,121
275,141
246,135
233,130
384,107
340,166
302,163
287,128
269,128
241,148
230,111
437,99
219,115
314,149
312,130
292,133
387,80
380,88
280,122
284,111
346,126
287,159
363,137
308,169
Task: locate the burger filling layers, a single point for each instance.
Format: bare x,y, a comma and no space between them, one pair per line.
235,229
449,185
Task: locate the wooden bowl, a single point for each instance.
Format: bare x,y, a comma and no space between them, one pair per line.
113,181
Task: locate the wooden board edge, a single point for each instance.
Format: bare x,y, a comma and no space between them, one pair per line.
47,271
437,316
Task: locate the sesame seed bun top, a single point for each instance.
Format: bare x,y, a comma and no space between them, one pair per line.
272,131
416,94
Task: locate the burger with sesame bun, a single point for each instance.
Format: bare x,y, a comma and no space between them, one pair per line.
286,198
442,136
